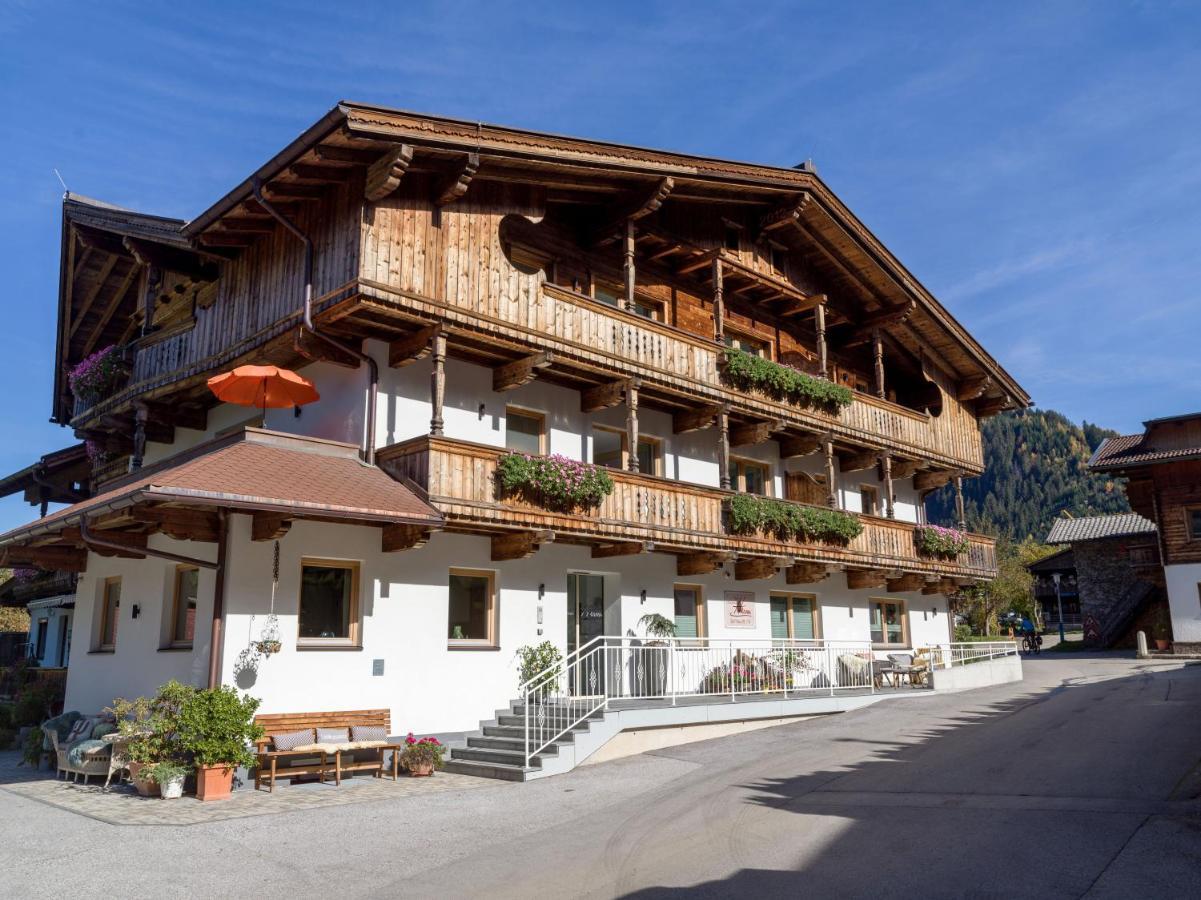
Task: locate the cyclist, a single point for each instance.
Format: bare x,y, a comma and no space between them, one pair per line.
1031,640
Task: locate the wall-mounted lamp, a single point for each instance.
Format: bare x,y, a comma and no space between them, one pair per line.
137,611
644,595
541,592
483,410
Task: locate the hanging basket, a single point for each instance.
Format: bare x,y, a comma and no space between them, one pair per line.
267,648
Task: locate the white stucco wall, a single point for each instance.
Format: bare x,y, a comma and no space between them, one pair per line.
1184,599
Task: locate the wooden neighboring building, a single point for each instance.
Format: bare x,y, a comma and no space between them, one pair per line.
491,289
1163,468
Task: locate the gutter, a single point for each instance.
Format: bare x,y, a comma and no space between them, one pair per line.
368,443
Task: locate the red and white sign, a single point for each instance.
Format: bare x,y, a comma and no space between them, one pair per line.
740,609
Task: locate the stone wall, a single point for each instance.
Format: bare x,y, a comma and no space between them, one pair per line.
1106,577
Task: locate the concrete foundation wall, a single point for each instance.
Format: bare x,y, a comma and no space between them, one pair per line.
1002,670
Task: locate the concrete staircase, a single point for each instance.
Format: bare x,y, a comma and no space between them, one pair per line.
497,749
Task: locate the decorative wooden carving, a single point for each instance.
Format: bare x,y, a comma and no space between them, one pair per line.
755,567
627,548
438,381
755,433
857,462
384,175
695,419
50,559
819,325
520,371
409,349
859,579
806,573
723,449
456,185
265,526
986,408
397,537
632,427
617,219
973,388
719,309
831,480
908,582
889,497
181,524
785,215
603,396
931,480
519,544
699,563
903,468
794,445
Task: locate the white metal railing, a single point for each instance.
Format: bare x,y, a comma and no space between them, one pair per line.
608,669
944,656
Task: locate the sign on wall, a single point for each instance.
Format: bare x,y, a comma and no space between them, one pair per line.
740,609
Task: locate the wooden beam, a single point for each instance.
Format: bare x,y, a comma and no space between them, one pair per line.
785,215
751,568
266,526
699,563
384,175
49,559
990,407
345,155
857,462
755,433
181,524
294,191
397,537
695,419
604,396
519,544
94,292
248,226
632,209
520,371
320,173
972,388
702,261
455,186
894,315
182,262
858,579
794,445
133,542
313,348
903,468
806,573
910,581
412,347
625,548
216,238
110,309
932,480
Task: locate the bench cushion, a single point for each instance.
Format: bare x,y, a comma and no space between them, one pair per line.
368,733
332,735
293,740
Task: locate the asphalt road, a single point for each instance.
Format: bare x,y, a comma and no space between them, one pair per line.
1081,781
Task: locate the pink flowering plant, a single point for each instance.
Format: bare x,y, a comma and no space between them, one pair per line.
420,753
554,482
945,543
95,376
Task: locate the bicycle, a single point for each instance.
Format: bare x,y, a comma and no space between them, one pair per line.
1032,643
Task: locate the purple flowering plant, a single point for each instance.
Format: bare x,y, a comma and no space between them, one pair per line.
945,543
555,482
97,374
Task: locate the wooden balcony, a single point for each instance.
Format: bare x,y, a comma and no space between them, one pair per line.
460,478
588,336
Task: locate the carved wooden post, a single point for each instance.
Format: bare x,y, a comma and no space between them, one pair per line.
629,264
886,465
719,309
154,279
632,425
819,324
437,380
878,355
140,413
831,487
960,517
723,449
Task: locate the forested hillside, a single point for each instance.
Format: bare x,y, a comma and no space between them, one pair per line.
1037,467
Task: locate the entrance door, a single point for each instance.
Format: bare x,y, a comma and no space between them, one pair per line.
585,621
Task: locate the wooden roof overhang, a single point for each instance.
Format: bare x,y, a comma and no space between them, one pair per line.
58,477
276,478
104,255
390,143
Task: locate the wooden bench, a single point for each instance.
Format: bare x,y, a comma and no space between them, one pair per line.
295,763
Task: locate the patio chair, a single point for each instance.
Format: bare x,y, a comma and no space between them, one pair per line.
86,757
902,665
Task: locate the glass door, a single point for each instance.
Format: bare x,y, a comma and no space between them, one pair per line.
585,621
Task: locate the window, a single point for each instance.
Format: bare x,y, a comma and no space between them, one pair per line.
794,616
733,237
110,608
40,648
650,309
777,256
747,344
329,603
472,608
690,611
524,430
1194,523
888,623
869,500
749,477
649,455
183,609
608,447
608,294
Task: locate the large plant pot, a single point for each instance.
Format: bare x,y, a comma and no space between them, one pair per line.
143,784
214,782
421,770
172,789
1162,645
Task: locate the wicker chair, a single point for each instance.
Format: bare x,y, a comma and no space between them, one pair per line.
93,762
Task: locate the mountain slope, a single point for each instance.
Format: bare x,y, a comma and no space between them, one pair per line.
1037,467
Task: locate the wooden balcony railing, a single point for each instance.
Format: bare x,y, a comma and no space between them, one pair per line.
581,330
460,478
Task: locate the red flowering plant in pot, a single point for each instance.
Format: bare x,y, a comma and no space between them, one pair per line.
421,756
553,482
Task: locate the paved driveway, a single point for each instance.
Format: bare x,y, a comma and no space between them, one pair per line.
1081,781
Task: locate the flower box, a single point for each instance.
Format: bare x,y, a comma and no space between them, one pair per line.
939,542
751,514
746,372
552,482
96,376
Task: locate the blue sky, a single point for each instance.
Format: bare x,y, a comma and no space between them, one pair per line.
1037,165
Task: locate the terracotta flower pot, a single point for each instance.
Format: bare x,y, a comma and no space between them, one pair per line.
1162,645
144,785
214,782
421,770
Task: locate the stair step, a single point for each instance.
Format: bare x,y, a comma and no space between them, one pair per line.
486,770
513,731
491,742
520,720
491,755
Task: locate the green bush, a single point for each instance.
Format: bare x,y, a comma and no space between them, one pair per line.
32,751
153,724
35,704
533,659
963,633
791,521
216,727
554,482
746,372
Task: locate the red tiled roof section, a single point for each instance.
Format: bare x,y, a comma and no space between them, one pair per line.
1129,450
267,472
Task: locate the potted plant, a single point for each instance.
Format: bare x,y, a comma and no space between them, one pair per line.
421,756
169,776
150,728
217,729
1161,629
650,661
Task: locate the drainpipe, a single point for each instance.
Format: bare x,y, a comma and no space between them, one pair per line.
367,449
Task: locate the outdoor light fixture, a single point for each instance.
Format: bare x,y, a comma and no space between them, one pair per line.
483,410
541,592
644,595
137,610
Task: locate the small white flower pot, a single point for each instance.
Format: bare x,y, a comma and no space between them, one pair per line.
172,788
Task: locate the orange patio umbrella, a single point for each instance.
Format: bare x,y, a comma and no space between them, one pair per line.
263,386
